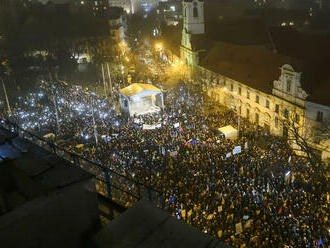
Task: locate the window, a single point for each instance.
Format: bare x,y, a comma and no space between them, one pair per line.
257,118
297,118
288,85
277,108
248,94
247,113
267,103
239,91
319,116
286,113
185,12
276,121
257,99
231,87
285,132
195,12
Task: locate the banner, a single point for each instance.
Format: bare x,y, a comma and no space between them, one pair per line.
173,154
137,121
237,150
151,127
148,127
248,224
239,228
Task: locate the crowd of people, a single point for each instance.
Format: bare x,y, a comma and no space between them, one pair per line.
262,197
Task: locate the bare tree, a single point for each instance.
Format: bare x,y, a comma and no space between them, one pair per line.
305,140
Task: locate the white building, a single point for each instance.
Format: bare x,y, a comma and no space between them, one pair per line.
267,88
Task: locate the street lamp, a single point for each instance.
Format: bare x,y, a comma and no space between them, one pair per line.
159,46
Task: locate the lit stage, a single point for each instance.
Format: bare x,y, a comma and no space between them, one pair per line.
141,99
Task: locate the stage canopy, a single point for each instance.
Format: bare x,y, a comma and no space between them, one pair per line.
229,132
140,99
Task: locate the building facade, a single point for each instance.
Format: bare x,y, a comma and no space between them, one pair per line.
261,86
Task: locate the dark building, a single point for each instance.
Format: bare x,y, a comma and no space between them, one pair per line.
44,202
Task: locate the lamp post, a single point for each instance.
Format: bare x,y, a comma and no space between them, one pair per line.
6,96
105,88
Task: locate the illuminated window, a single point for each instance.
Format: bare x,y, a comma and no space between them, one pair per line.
277,108
257,99
257,118
267,103
239,91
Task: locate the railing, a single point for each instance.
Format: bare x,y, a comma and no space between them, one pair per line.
116,187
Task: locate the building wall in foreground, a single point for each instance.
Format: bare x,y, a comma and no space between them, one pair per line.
60,219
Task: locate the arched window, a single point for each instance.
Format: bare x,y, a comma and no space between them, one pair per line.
195,12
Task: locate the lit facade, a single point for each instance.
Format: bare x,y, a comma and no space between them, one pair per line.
270,107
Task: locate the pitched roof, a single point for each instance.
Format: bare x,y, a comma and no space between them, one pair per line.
253,66
137,88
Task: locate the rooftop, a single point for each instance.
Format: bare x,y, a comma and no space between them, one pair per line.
148,227
137,88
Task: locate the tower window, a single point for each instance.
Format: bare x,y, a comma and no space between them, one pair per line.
288,85
319,116
195,12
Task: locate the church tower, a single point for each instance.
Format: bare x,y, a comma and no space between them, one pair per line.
193,16
193,24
